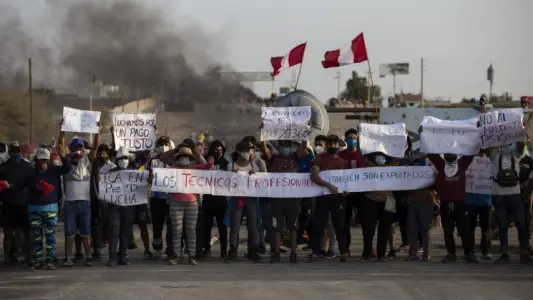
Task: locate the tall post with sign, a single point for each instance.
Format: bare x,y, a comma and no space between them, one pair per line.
490,78
393,69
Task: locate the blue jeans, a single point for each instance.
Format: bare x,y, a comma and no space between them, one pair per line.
77,215
507,205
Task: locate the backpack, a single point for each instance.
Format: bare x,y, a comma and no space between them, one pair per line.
507,178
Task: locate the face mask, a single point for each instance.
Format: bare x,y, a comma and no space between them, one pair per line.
332,150
257,153
184,161
56,163
508,149
285,151
318,149
162,149
380,160
123,163
3,157
245,155
351,144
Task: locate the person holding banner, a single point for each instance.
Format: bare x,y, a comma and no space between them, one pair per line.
183,206
507,199
285,211
242,161
526,168
78,195
334,203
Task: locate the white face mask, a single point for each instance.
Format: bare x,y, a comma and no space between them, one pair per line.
123,163
318,149
245,155
184,161
163,149
4,157
380,160
508,149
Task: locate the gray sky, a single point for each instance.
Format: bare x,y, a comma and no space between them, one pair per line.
458,39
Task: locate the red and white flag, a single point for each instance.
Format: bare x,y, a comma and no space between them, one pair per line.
294,57
355,54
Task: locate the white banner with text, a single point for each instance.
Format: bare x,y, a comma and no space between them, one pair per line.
388,139
286,123
124,188
459,137
479,176
290,185
75,120
134,131
501,127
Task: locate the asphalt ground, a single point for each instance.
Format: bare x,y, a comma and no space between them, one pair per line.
324,279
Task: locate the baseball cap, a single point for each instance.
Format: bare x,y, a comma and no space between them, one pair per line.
42,153
77,142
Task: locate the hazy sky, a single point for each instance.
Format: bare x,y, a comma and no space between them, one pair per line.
457,38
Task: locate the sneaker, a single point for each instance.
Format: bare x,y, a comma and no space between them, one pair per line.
329,254
232,254
132,246
365,259
381,259
88,262
343,258
148,255
50,266
275,258
503,258
487,256
123,261
172,261
293,258
530,251
472,258
283,250
192,261
255,257
68,262
426,257
525,259
392,254
449,258
322,254
157,254
78,256
312,257
374,254
111,262
97,256
307,248
262,250
412,257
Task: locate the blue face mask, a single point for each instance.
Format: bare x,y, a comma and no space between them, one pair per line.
352,144
16,157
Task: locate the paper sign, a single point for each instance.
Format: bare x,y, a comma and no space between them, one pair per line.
389,139
501,127
286,123
445,136
75,120
479,176
124,188
134,131
290,185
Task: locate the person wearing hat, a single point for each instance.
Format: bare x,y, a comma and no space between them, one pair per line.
77,206
15,173
333,203
43,206
183,206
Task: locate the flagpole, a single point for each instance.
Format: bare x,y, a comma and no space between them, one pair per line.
272,81
299,72
371,88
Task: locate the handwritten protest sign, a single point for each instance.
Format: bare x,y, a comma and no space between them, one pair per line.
501,127
389,139
124,188
289,185
479,176
134,131
75,120
445,136
286,123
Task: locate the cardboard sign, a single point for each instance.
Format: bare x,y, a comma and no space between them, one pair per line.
75,120
501,127
388,139
134,131
124,188
479,176
286,123
446,136
290,185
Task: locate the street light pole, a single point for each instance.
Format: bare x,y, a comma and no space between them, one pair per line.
30,91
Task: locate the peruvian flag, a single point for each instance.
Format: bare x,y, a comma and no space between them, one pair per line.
355,54
294,57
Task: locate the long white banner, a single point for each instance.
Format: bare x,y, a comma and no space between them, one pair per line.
290,185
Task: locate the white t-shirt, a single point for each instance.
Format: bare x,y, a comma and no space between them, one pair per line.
506,165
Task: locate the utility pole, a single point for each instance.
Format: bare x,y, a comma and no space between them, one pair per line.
490,78
394,86
422,82
91,86
369,96
30,91
338,77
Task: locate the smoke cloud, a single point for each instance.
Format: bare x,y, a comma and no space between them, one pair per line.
125,43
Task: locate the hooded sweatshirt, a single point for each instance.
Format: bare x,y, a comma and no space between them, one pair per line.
17,174
51,177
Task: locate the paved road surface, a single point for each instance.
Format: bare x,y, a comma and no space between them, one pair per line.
326,279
